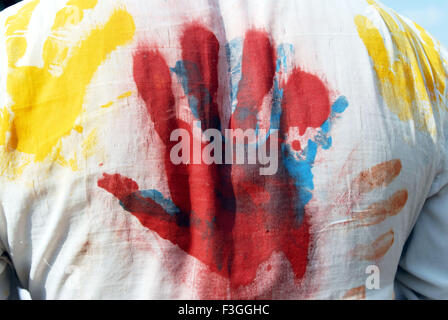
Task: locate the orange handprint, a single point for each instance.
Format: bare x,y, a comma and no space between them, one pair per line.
379,176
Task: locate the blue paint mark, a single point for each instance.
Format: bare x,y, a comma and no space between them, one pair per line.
323,140
339,106
283,51
158,198
234,52
276,111
326,126
183,75
311,151
326,145
301,169
187,72
302,175
165,203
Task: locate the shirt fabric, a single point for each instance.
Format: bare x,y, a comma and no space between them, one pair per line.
109,111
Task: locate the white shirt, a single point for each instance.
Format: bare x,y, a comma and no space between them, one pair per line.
108,192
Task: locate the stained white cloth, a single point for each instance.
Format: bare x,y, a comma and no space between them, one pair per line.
92,208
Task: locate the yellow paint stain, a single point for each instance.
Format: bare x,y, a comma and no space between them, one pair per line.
56,48
72,14
83,4
123,96
11,171
89,144
16,27
107,105
78,129
45,105
410,72
68,163
4,123
434,63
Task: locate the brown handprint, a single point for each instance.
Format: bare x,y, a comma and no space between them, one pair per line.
379,176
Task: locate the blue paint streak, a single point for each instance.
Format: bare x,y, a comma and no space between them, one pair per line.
326,145
283,51
234,52
188,72
158,198
165,203
326,126
340,105
301,169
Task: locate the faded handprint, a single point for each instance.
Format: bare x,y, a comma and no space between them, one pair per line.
47,100
354,216
229,216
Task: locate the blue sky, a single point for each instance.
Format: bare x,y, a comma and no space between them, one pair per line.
430,14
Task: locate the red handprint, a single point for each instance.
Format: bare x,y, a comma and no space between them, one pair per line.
229,217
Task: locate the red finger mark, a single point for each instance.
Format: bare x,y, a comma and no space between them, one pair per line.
306,102
258,71
153,79
200,48
146,210
253,243
189,237
212,195
214,239
118,185
297,247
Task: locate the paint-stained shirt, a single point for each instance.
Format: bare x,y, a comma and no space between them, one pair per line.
221,149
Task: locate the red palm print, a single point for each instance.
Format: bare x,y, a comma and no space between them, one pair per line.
229,217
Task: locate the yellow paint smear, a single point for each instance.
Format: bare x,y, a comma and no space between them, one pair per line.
46,104
107,105
410,72
16,27
89,144
123,96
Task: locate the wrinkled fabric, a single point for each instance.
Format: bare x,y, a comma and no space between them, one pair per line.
118,177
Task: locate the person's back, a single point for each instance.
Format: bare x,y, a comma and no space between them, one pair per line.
118,178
